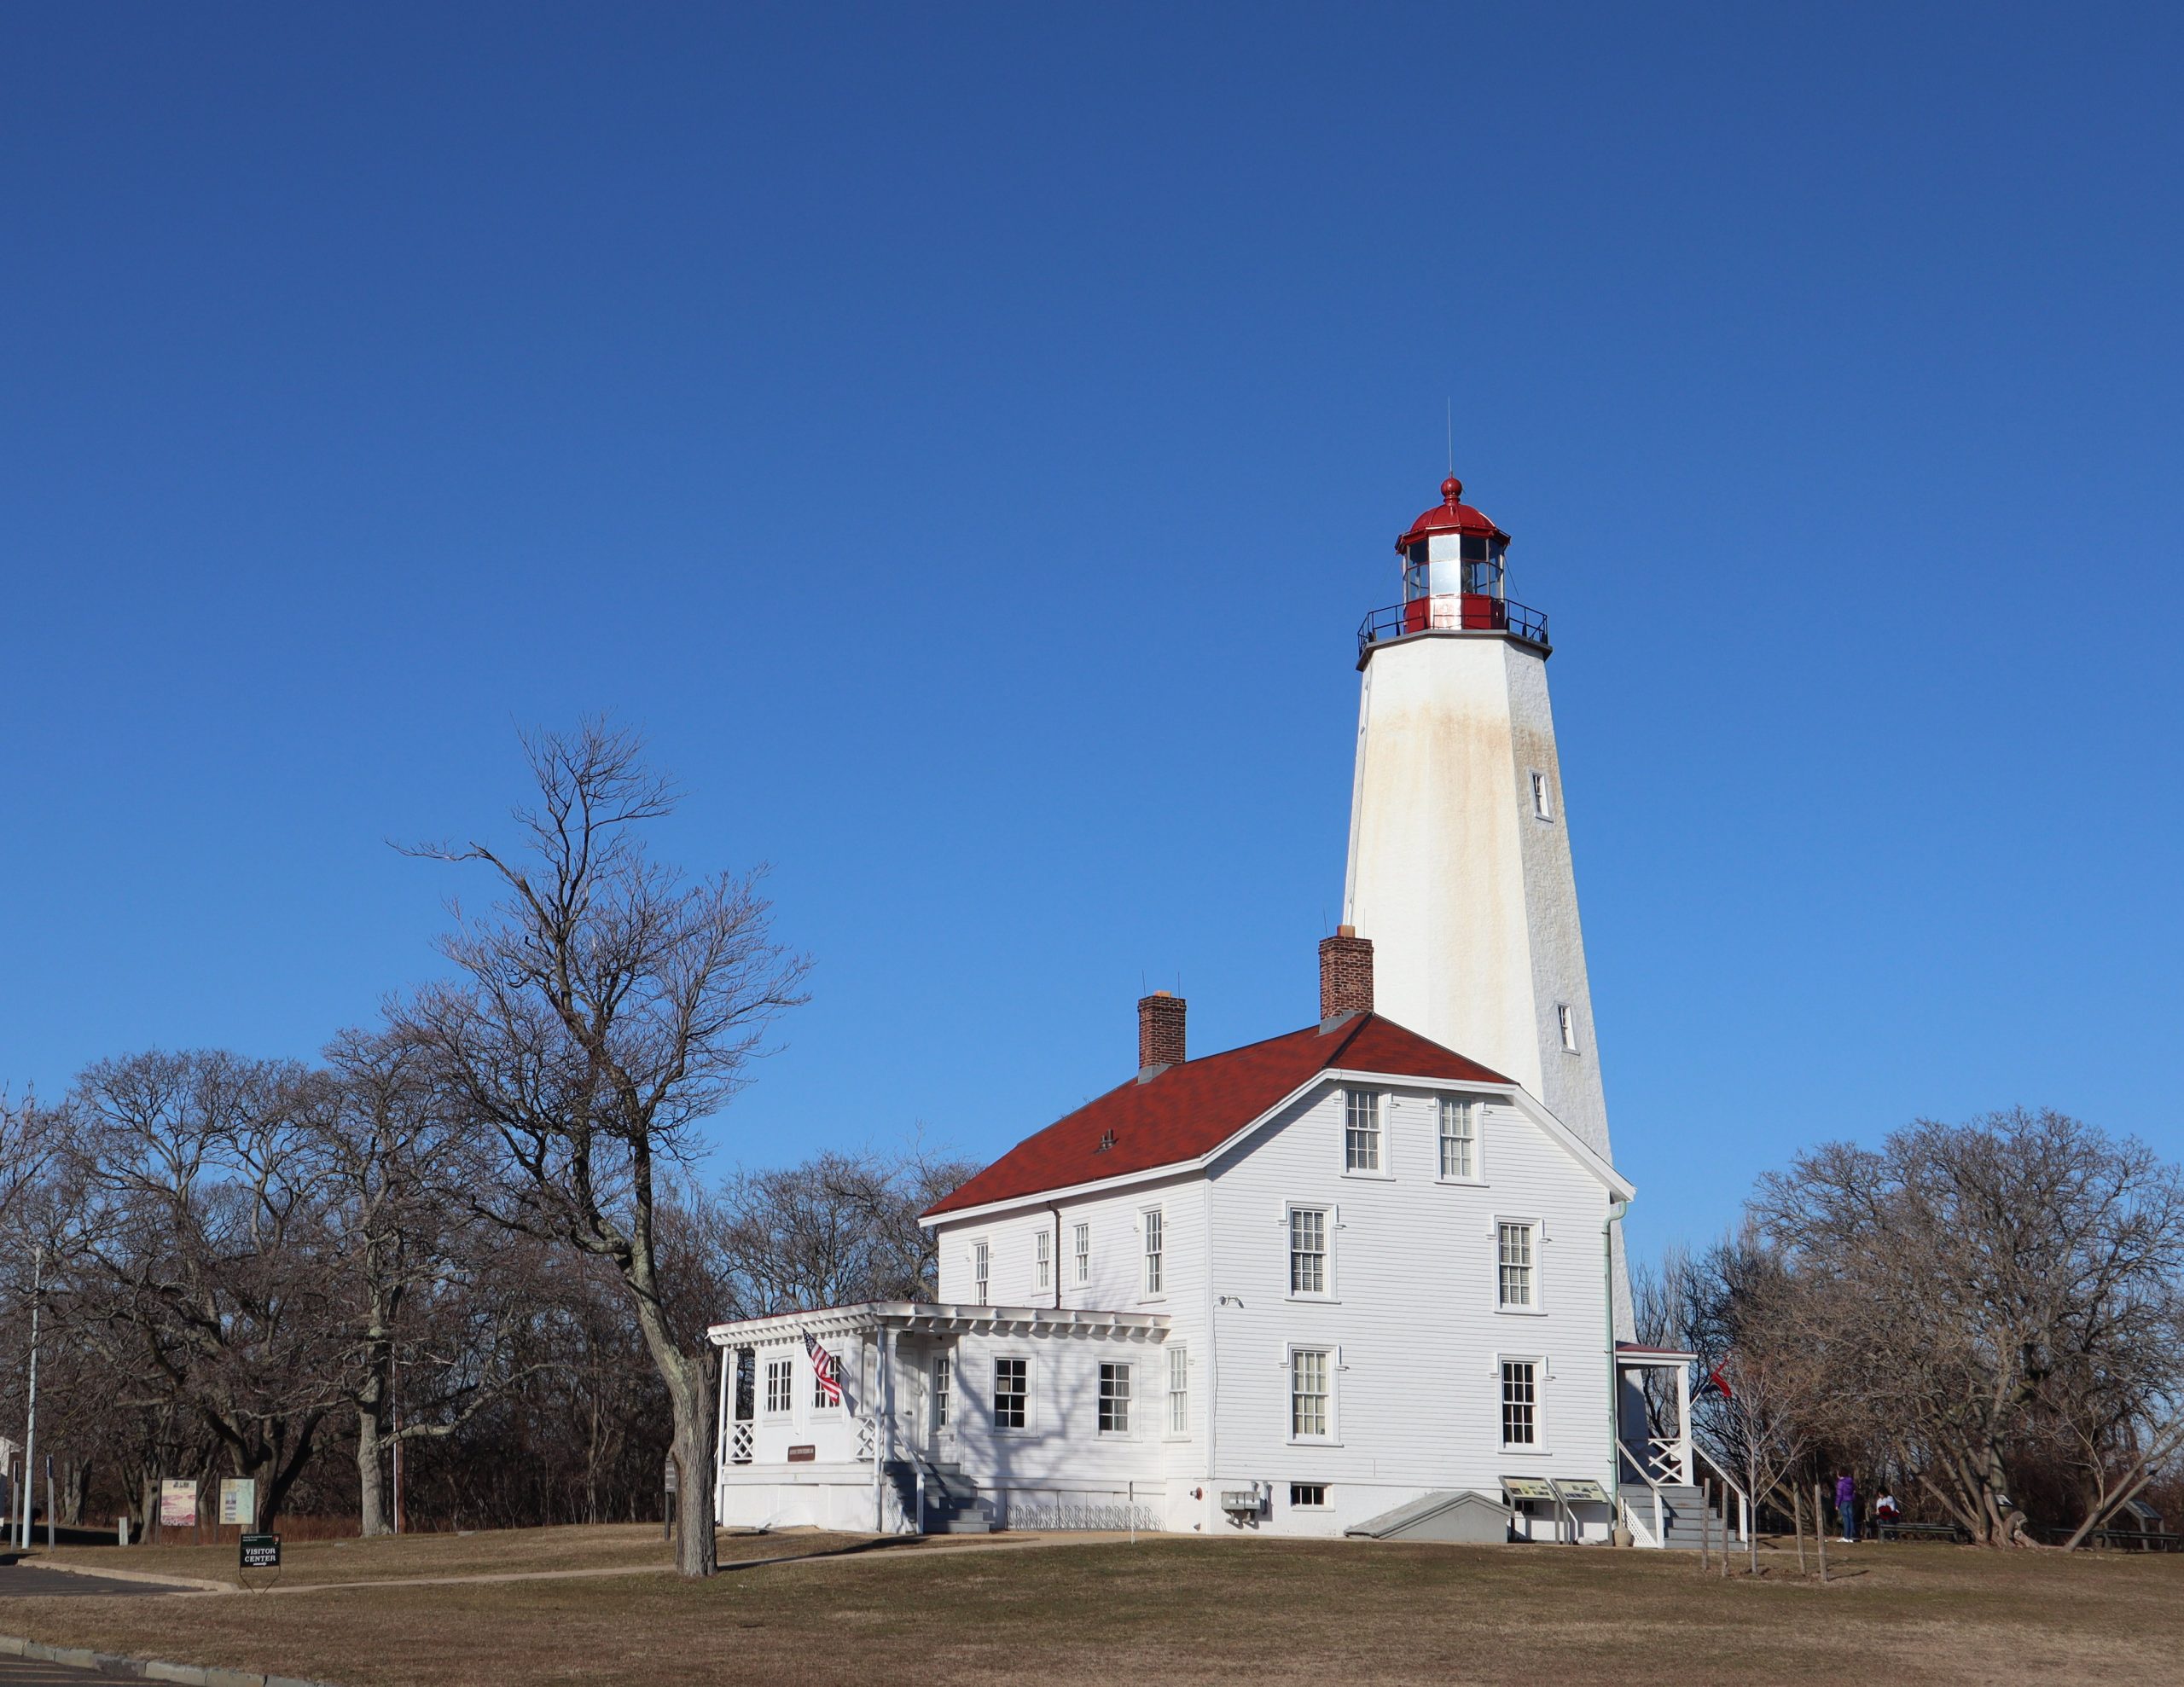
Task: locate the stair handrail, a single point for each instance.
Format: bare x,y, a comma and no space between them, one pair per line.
1743,1500
1660,1528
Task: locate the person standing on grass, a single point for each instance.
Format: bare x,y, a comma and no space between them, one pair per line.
1846,1505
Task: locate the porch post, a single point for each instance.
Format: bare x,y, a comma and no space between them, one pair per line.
1683,1420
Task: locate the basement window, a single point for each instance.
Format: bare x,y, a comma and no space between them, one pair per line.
1311,1495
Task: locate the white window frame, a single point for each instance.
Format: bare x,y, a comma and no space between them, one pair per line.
1152,1268
1537,1446
1083,1239
1382,1166
1537,1265
785,1367
1320,1504
1332,1352
1543,796
1474,1108
1328,1213
1030,1423
1042,1265
1179,1397
1103,1401
944,1367
1566,1024
982,1272
819,1401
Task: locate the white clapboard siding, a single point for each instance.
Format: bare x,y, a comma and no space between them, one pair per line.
1411,1318
1412,1314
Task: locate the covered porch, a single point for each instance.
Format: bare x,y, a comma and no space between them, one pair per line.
909,1446
1663,1471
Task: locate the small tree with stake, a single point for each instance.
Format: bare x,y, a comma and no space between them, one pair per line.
607,1005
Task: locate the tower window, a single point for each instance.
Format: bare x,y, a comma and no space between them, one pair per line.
1566,1022
1542,801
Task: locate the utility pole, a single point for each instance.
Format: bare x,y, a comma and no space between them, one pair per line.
30,1430
394,1393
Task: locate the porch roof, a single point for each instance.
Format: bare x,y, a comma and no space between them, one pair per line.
934,1317
1634,1353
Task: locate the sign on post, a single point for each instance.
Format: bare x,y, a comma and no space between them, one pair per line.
177,1503
238,1502
261,1553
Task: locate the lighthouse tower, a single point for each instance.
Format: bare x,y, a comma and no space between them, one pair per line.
1460,870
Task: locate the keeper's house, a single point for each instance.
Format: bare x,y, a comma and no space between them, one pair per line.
1345,1277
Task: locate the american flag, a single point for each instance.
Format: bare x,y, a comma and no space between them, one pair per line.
824,1370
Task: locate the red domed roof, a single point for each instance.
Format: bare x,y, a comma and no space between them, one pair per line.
1450,516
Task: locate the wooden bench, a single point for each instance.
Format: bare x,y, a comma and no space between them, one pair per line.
1920,1532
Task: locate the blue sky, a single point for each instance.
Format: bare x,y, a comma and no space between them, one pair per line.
967,439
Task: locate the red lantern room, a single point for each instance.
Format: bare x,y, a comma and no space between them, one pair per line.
1454,580
1452,567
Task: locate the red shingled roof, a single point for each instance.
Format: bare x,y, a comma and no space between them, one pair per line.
1191,1109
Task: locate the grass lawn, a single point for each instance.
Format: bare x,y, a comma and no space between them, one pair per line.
1179,1609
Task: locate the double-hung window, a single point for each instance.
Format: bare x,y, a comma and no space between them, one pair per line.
1308,1251
1155,1241
820,1400
1114,1400
1083,1239
778,1373
1179,1391
1519,1402
940,1369
1514,1251
981,1269
1459,1137
1042,1263
1360,1131
1012,1393
1311,1371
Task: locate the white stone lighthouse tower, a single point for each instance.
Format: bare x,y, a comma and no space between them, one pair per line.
1460,868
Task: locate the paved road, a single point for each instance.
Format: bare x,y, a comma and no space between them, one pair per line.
26,1582
22,1672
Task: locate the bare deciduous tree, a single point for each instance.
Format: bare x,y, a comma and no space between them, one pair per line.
194,1257
1964,1282
608,1005
836,1229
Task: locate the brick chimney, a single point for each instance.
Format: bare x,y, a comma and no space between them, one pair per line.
1159,1033
1345,976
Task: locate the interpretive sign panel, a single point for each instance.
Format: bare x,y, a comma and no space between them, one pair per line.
261,1553
1527,1488
238,1502
177,1503
1580,1490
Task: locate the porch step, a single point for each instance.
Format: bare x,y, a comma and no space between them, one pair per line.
1687,1516
952,1506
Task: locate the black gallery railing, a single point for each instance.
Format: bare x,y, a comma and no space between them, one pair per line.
1453,612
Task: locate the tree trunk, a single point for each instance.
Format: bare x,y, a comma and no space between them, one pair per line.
689,1388
371,1482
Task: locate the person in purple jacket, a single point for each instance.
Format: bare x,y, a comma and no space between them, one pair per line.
1846,1505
